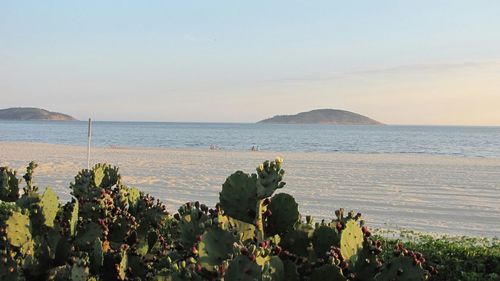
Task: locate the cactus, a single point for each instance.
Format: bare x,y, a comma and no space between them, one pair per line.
324,238
402,268
238,197
112,232
216,245
18,229
351,239
242,268
284,213
297,242
270,178
49,205
328,273
274,270
9,185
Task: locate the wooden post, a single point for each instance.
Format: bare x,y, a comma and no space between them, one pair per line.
88,143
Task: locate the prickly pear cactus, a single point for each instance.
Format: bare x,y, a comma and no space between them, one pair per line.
297,242
18,229
324,238
351,239
9,185
328,273
49,205
402,268
238,197
192,223
274,270
80,270
216,245
105,176
270,178
282,214
243,269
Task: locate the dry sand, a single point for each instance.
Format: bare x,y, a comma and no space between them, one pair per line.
428,193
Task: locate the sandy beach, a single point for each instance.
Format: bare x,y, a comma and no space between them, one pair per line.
443,194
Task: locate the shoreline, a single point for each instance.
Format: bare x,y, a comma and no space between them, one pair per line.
200,149
429,193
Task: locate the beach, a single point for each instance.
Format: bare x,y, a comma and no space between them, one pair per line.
431,193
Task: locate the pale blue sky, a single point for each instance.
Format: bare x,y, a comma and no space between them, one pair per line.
405,62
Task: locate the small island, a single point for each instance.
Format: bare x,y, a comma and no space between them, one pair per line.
323,116
31,113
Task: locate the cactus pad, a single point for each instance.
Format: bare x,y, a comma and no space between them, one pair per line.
238,197
402,268
18,229
351,239
49,204
323,238
270,178
9,185
243,269
216,245
284,213
328,273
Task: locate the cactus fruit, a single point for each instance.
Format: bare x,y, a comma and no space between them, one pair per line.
351,239
284,213
9,185
238,197
328,273
18,229
242,268
49,204
216,245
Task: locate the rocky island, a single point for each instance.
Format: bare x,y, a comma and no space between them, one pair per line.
323,116
31,113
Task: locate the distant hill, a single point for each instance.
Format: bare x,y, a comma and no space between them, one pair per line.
323,116
29,113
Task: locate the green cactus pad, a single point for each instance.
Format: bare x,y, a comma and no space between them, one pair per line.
9,185
245,231
365,264
328,273
190,226
284,214
243,269
87,235
79,272
97,256
238,197
134,195
270,178
351,239
323,238
49,204
18,229
402,269
274,270
216,245
297,242
73,219
105,176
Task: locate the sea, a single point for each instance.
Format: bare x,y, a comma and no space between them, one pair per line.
433,140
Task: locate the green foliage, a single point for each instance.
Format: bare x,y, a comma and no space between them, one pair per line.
109,231
456,258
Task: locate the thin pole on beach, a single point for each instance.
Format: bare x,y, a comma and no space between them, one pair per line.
88,143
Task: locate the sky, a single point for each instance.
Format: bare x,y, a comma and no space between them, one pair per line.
399,62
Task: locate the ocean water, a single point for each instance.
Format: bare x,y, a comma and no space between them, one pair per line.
434,140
